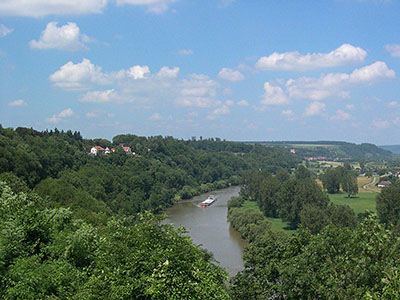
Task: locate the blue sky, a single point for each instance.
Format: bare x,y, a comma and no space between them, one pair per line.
239,70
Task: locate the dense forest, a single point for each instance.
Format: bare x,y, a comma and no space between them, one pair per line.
80,226
56,164
332,254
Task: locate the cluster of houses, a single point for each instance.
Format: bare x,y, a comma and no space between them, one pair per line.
98,150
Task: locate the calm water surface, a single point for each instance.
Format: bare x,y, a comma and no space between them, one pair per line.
209,227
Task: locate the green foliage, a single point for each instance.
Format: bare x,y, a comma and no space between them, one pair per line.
339,263
338,177
46,254
56,164
388,205
249,222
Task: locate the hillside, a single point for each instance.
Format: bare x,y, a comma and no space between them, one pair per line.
392,148
334,150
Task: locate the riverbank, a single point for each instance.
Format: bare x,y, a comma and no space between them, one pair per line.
209,227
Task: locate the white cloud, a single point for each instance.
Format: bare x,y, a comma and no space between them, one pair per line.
99,96
294,61
66,37
380,124
197,91
153,6
315,108
18,102
393,49
274,95
350,106
243,103
4,30
341,115
66,113
166,72
337,83
185,52
40,8
155,117
230,75
229,102
138,72
219,111
78,76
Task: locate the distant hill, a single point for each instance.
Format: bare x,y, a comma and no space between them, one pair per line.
335,150
392,148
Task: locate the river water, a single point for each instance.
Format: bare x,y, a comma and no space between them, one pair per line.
209,227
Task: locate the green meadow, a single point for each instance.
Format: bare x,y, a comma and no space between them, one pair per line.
360,203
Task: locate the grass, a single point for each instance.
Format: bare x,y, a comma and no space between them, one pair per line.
276,223
360,203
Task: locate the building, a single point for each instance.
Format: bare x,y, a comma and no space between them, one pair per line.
97,150
383,184
293,151
127,150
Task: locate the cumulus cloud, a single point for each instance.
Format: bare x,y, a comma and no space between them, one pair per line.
197,91
78,76
138,72
274,95
341,115
153,6
40,8
315,108
85,74
243,103
294,61
99,96
393,49
229,102
185,52
4,30
66,113
66,37
18,102
230,75
350,106
166,72
337,83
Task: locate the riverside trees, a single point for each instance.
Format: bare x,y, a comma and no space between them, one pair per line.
46,254
340,177
339,263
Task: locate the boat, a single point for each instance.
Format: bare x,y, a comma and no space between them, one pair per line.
210,200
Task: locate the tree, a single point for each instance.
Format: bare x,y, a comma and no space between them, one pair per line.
338,263
388,205
331,181
350,184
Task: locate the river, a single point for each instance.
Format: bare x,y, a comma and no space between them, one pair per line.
209,227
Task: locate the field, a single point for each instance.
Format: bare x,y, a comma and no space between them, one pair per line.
360,203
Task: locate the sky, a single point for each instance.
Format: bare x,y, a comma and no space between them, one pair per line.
266,70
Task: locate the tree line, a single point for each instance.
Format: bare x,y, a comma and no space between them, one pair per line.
55,164
339,258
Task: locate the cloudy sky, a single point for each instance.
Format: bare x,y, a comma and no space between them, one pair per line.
239,70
